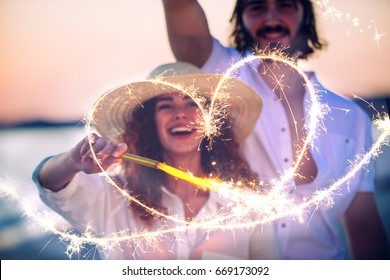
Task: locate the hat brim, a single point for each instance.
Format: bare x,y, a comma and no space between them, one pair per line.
114,109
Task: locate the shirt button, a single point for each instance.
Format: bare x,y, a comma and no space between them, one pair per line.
347,140
283,129
283,225
286,160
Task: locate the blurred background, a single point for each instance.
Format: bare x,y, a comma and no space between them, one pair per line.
57,57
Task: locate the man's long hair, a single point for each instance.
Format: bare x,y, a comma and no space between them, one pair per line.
241,40
145,183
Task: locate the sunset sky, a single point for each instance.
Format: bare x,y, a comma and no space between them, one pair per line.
57,56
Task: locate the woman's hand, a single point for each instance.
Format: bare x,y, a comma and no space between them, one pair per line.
87,152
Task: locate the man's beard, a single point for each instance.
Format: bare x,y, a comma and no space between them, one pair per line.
292,51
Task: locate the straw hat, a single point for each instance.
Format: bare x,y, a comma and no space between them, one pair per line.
114,109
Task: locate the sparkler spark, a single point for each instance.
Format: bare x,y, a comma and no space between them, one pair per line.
377,37
324,8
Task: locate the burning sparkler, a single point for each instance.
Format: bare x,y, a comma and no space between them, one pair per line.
200,182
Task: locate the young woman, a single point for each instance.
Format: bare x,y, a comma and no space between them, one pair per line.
155,119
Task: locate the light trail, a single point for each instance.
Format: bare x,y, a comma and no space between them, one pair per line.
243,204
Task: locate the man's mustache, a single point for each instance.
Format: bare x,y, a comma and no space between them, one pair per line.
267,29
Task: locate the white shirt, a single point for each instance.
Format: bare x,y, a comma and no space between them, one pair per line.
89,202
344,133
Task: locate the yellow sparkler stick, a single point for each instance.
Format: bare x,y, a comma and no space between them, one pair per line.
204,183
141,160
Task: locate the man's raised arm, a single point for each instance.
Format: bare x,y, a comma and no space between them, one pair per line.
188,31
